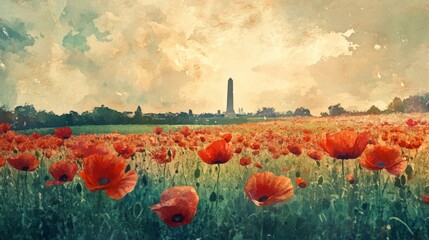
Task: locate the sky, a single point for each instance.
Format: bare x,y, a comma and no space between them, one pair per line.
171,56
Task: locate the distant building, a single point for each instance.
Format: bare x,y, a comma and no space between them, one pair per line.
190,113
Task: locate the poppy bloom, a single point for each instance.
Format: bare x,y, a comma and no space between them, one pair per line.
345,144
411,123
4,127
425,198
2,162
63,133
301,182
316,155
295,149
258,165
218,152
379,157
351,178
266,188
238,150
63,172
24,162
157,130
125,150
162,155
107,172
227,137
185,131
178,206
245,161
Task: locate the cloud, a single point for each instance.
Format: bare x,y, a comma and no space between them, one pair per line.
165,56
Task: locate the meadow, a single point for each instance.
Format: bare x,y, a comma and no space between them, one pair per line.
333,192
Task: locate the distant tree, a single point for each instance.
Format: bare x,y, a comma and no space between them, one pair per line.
301,111
395,106
324,114
373,110
336,110
6,115
25,116
414,104
266,112
289,113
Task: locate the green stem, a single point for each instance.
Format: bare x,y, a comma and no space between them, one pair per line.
217,184
344,175
165,180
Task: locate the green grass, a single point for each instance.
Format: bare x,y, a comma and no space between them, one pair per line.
100,129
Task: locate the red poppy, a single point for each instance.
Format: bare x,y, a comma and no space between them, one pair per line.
301,182
157,130
258,165
227,137
178,206
379,157
238,150
218,152
82,150
2,162
125,150
24,162
295,149
163,155
63,172
351,178
266,188
4,127
107,172
411,123
425,198
345,144
63,133
245,161
185,131
316,155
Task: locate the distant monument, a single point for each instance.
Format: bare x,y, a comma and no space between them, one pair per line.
230,101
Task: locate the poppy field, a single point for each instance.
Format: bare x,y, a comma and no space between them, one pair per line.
352,177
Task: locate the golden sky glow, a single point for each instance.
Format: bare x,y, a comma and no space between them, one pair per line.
178,55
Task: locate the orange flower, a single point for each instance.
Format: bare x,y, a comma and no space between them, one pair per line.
245,161
4,127
63,133
178,206
425,198
379,157
266,188
301,182
351,178
157,130
63,172
23,162
345,144
107,172
218,152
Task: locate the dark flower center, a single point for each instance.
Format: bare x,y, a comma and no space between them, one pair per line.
380,164
25,168
178,218
217,161
263,199
63,178
103,181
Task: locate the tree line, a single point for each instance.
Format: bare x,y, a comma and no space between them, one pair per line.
27,117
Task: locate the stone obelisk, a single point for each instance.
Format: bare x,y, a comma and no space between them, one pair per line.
230,100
